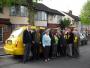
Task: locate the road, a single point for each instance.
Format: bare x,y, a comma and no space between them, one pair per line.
64,62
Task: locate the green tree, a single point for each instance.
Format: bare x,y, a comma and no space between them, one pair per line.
29,3
85,13
64,23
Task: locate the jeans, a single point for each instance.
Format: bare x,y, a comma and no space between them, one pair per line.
35,51
27,52
70,49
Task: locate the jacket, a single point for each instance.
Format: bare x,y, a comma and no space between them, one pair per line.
46,41
27,37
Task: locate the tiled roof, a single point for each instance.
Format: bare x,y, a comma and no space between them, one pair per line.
76,18
42,7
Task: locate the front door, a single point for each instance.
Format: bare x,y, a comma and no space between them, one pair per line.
1,34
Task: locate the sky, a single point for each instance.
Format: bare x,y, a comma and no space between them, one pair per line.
65,5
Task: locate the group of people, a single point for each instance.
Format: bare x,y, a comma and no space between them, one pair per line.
50,43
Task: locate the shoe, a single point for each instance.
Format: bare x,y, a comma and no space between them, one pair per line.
53,57
24,62
46,60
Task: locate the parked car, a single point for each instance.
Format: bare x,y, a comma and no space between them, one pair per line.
83,39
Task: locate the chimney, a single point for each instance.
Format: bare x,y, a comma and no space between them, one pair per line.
70,12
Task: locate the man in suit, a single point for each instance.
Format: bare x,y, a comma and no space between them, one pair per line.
27,40
36,41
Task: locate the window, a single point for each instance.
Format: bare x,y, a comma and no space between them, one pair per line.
23,11
59,18
16,32
5,28
13,11
1,34
18,11
51,17
41,16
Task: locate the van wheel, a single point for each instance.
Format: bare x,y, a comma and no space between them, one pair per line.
18,56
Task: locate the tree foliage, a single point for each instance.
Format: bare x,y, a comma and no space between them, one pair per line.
29,3
64,23
85,13
4,3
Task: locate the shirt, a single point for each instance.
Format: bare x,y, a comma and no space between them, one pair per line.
56,40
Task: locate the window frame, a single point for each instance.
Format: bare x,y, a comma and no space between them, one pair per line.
18,12
11,13
40,16
25,11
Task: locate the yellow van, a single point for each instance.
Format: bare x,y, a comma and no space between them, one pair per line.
14,44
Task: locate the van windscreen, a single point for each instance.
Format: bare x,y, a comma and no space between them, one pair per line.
16,32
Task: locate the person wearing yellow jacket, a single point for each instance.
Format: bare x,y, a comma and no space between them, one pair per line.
76,44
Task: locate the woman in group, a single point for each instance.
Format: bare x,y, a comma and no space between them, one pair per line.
54,46
46,42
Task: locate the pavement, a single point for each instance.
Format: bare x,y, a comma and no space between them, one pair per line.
61,62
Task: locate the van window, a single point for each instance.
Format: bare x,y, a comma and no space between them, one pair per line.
16,32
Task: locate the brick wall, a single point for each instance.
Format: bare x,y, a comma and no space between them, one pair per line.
6,31
53,25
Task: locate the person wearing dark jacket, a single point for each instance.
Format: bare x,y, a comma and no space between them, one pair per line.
58,46
71,42
27,40
62,45
51,36
36,41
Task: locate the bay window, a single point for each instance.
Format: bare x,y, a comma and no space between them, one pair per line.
18,11
41,16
